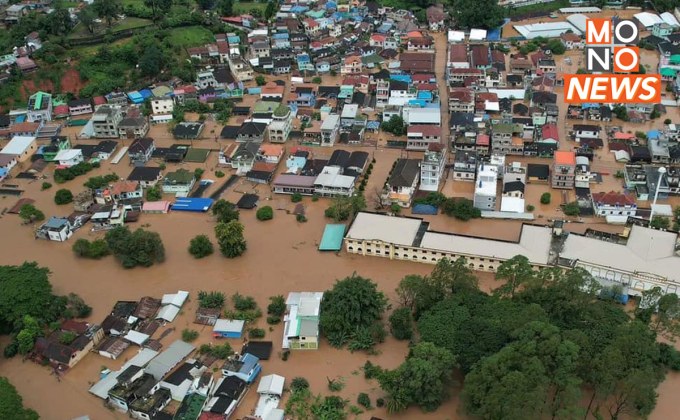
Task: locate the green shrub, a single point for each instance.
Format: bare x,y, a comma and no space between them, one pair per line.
189,335
211,300
380,402
571,209
277,305
256,333
93,250
265,213
299,383
63,196
371,371
301,218
244,303
401,324
315,198
154,193
29,212
296,198
45,186
530,208
335,385
219,174
200,246
273,319
364,400
545,198
221,351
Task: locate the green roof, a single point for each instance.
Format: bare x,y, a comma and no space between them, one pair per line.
675,59
197,155
265,106
332,238
665,71
281,111
180,176
503,128
190,408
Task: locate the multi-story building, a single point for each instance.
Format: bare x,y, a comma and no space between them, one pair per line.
614,204
461,100
332,183
105,121
486,187
282,123
420,137
465,165
402,183
432,167
564,169
501,138
39,107
329,130
162,106
382,93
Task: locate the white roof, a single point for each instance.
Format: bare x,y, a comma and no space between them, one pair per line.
485,187
102,388
512,204
578,21
331,177
477,34
168,313
670,19
662,210
647,251
546,30
492,106
309,304
395,230
648,19
18,145
161,117
68,154
294,298
621,156
271,384
534,243
275,414
136,337
229,325
258,32
456,36
508,93
588,9
422,115
350,111
170,358
176,299
330,122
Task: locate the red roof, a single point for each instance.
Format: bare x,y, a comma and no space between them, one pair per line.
424,77
487,96
613,199
549,131
378,37
461,94
426,130
61,110
426,86
563,157
458,53
482,140
99,100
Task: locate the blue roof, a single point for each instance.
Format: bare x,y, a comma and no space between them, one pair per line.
3,172
419,102
56,222
249,362
146,93
401,77
192,204
331,5
653,134
281,35
234,39
423,94
423,209
384,28
299,9
296,161
588,106
135,97
373,125
21,118
332,238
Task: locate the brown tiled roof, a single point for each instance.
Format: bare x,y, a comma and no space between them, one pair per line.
458,53
461,94
613,198
480,55
427,130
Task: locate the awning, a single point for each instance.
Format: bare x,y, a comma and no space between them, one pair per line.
668,72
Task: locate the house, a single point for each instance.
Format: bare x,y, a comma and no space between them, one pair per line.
432,167
133,125
150,406
282,124
572,41
55,229
39,107
461,100
614,204
126,191
485,187
80,106
585,131
301,322
129,389
162,109
105,121
69,157
402,182
419,137
7,162
184,94
226,396
537,173
465,165
181,381
564,169
272,91
329,129
22,147
270,153
140,150
417,62
351,65
291,184
188,130
436,16
102,151
243,157
147,177
228,328
252,132
240,68
550,134
421,43
179,182
245,367
332,183
270,390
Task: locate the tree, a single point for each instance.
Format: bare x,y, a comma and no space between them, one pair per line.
345,208
63,196
422,379
571,209
28,212
107,10
154,193
353,303
515,272
660,222
226,7
29,332
265,213
94,250
11,403
296,197
317,80
138,248
454,277
461,208
151,61
545,198
200,246
260,80
230,238
621,112
87,17
225,211
159,7
206,4
395,125
485,14
270,11
189,335
212,300
401,324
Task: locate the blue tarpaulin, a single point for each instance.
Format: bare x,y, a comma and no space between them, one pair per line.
423,209
401,77
192,204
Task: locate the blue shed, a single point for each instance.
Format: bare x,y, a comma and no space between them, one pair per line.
228,328
192,204
135,97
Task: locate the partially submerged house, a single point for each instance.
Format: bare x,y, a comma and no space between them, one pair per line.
301,323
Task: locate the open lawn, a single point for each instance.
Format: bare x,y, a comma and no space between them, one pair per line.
80,31
190,36
246,7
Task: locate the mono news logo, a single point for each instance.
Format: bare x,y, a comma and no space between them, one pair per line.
610,49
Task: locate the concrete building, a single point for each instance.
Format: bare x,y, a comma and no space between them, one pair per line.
39,107
402,183
465,166
23,147
420,137
332,183
281,125
564,169
105,121
329,130
614,204
486,187
162,106
432,167
301,323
